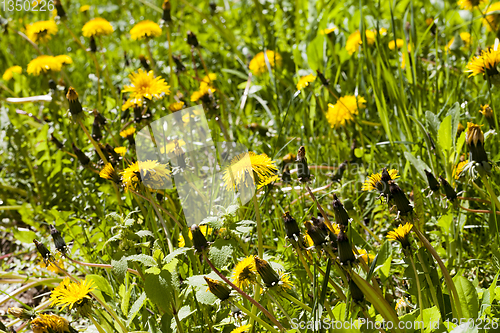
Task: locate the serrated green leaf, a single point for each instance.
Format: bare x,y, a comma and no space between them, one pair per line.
120,268
221,252
144,233
159,289
143,259
175,253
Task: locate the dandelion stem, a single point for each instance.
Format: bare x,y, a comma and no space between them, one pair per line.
419,291
254,317
486,182
133,271
259,227
150,53
294,300
242,293
301,257
327,221
96,324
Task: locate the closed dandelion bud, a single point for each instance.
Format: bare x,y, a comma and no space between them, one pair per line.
59,8
191,39
99,117
356,293
84,160
22,314
286,177
166,11
323,79
218,288
433,183
487,112
74,104
448,190
178,64
400,199
42,249
96,130
92,44
199,241
317,234
144,62
346,255
58,143
291,227
303,173
269,276
59,242
340,172
341,216
474,138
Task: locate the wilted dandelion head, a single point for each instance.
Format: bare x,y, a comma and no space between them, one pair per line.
400,234
247,168
97,27
343,112
305,80
474,134
145,29
144,85
41,31
49,323
244,273
258,64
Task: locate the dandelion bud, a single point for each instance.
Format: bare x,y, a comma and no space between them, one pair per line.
52,84
400,199
433,183
269,276
341,216
96,130
317,234
92,44
58,143
340,172
199,241
323,79
286,177
218,288
346,255
178,64
475,141
22,314
291,228
42,249
74,104
84,160
58,240
59,8
303,173
191,39
448,190
144,62
166,11
356,293
487,112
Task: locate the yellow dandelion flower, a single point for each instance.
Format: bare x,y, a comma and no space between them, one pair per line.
131,103
400,234
46,323
109,172
64,59
308,240
284,281
43,64
470,4
154,173
176,106
398,44
258,63
69,293
206,82
355,40
486,111
457,170
84,8
365,256
127,132
7,75
374,182
491,18
464,36
242,329
327,31
244,273
244,166
305,80
485,64
51,267
145,29
144,85
171,146
97,27
344,110
121,150
205,230
41,31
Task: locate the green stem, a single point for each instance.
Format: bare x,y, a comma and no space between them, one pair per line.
96,324
254,317
259,228
419,291
293,299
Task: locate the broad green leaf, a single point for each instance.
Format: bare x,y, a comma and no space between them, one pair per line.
24,235
159,289
143,259
135,308
102,284
221,252
444,136
315,52
467,295
120,268
418,164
